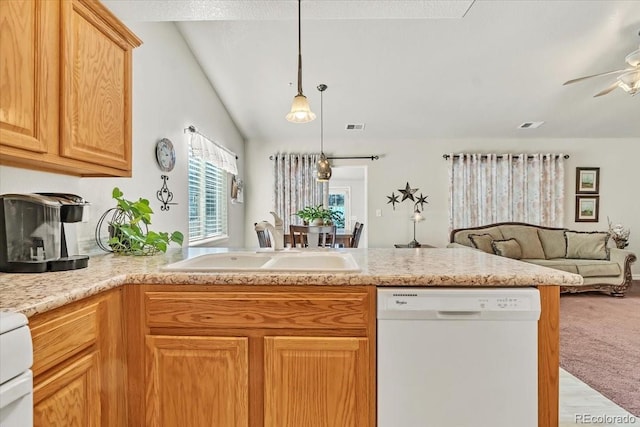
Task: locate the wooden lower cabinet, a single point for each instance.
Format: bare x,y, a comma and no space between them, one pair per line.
79,364
272,356
197,381
71,396
316,381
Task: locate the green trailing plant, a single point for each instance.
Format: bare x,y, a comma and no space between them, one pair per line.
128,230
311,213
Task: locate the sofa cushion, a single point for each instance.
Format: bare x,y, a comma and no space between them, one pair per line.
462,236
509,248
559,264
553,243
482,242
527,237
586,245
583,267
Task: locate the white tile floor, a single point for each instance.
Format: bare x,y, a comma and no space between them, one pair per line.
580,405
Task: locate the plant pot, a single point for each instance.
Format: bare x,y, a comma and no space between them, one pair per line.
317,221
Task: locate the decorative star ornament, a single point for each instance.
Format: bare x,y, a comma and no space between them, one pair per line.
393,199
421,200
407,193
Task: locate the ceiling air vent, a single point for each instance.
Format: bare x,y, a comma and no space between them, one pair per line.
354,126
530,125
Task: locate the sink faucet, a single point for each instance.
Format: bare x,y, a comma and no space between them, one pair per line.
277,231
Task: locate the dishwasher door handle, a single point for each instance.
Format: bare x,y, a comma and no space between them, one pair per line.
458,314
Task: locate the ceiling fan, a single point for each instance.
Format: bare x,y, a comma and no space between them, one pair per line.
628,80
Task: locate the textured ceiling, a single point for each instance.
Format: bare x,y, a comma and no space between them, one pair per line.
413,75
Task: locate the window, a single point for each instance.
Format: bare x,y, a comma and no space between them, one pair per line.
207,199
339,200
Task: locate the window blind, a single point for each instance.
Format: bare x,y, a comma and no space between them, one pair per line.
207,199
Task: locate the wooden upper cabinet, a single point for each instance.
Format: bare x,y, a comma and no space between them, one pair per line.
65,87
28,74
96,86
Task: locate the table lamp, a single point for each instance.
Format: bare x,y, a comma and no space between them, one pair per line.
416,217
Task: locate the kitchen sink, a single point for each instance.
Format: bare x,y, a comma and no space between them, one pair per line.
299,261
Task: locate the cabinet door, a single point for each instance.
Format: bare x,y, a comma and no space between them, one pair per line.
70,397
197,381
95,88
316,381
28,64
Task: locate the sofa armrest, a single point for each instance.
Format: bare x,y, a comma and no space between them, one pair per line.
622,257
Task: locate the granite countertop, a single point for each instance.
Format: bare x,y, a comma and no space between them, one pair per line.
36,293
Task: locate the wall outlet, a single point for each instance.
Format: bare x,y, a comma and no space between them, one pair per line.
378,212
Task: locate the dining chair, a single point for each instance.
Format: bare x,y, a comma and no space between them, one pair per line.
298,235
357,231
264,240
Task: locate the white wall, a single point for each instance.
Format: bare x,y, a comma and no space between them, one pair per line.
170,92
420,163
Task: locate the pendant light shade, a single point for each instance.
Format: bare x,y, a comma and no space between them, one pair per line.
323,167
300,111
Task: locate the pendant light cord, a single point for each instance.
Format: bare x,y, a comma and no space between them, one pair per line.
299,50
321,122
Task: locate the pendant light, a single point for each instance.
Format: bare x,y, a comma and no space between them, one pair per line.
300,111
323,167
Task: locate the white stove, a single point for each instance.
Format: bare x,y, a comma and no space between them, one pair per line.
16,379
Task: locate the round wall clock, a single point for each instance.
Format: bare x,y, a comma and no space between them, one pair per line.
165,155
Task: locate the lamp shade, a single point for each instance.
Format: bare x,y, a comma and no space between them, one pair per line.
417,216
300,111
324,168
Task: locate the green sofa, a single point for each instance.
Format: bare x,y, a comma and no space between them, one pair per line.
602,268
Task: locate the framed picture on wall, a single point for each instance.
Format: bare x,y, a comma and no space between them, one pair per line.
587,208
587,180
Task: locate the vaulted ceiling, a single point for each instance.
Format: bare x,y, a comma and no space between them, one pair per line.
413,69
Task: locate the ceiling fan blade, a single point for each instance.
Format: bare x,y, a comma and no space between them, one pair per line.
596,75
607,90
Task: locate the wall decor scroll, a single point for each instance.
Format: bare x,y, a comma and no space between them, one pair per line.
164,195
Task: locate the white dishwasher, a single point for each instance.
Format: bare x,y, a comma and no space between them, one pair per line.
16,379
453,357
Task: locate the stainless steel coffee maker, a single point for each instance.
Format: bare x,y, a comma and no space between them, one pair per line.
32,237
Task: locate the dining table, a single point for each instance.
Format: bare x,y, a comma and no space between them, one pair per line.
343,240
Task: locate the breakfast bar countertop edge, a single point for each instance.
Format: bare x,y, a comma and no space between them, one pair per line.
32,294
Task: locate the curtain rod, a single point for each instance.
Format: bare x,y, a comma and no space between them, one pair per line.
455,156
192,129
372,157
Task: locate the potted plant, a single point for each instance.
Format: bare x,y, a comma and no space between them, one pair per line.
128,229
318,215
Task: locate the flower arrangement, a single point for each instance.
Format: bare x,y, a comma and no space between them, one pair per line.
619,234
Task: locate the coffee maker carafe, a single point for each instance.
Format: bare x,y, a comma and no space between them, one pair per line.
32,234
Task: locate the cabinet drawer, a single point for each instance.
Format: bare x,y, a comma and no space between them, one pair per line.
62,337
304,310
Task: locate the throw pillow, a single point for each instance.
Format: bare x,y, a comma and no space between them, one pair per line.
553,243
587,244
482,242
527,237
509,248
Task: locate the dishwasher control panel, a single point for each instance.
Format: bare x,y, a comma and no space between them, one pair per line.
441,302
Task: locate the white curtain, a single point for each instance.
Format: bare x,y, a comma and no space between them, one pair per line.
296,186
208,150
490,188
